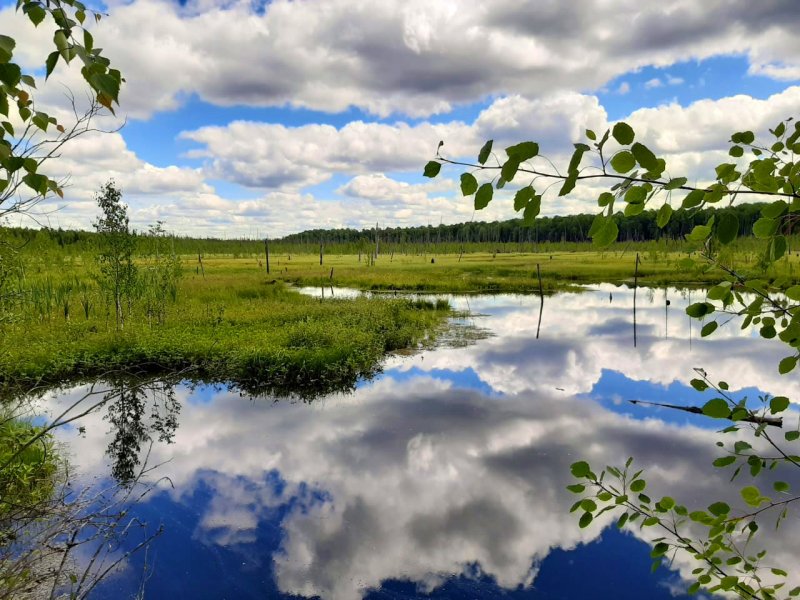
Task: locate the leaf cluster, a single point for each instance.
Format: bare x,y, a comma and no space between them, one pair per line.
22,151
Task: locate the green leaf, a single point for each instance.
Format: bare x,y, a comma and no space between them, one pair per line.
486,150
7,45
699,234
664,215
522,152
588,505
699,309
622,162
483,196
35,13
623,133
724,461
751,495
787,364
793,293
607,198
88,40
606,232
522,197
50,63
717,409
432,168
591,135
532,210
792,435
509,169
693,199
719,509
569,184
38,183
709,328
777,248
666,503
718,292
638,485
774,210
577,156
727,228
778,404
736,151
644,156
469,185
623,518
61,42
585,520
765,227
576,488
728,582
10,74
580,469
781,486
674,184
636,194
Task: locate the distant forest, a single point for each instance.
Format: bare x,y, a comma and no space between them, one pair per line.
471,236
571,228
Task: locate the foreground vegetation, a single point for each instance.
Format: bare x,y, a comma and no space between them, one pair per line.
225,324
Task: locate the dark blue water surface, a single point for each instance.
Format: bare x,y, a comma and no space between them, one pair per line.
445,476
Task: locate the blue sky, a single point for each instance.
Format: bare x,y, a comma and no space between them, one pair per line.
284,116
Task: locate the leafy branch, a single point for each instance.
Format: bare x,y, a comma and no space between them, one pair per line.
28,136
637,176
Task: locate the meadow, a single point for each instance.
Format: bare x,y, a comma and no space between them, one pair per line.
225,323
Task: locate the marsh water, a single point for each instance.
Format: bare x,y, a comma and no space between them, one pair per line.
445,475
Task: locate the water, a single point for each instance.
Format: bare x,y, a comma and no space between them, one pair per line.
445,476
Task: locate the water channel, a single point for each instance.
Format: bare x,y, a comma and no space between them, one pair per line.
445,475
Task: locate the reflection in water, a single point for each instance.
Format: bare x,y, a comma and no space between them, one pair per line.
445,476
127,404
73,537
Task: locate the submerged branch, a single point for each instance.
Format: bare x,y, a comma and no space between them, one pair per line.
751,418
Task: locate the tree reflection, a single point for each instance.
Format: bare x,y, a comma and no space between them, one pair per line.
64,542
130,426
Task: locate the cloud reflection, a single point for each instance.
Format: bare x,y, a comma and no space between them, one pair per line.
422,479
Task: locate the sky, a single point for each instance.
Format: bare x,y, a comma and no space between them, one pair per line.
261,118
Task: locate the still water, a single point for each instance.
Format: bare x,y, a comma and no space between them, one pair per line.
445,476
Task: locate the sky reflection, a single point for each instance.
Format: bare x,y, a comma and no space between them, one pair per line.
445,476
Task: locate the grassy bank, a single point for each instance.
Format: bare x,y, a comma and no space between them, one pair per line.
227,324
517,272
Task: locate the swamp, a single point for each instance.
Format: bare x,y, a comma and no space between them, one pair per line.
360,429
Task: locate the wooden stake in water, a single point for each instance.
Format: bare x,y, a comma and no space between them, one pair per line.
635,284
541,300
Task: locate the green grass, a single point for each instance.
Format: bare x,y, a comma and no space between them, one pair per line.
517,272
230,325
27,473
231,322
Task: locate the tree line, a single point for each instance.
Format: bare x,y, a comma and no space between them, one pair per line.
570,228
